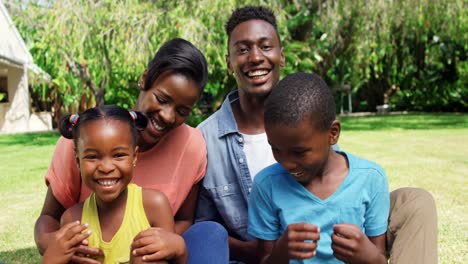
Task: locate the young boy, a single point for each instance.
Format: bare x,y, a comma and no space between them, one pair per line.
316,205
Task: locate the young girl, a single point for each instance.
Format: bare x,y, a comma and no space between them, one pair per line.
106,149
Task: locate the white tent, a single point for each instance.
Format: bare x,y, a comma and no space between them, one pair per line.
17,71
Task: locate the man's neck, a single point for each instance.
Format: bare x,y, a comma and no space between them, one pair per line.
248,112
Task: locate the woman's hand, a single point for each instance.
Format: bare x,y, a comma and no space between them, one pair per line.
65,242
351,245
155,244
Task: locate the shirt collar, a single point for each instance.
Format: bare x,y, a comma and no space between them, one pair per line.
226,121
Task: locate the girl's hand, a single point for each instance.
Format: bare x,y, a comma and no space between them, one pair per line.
155,244
65,242
86,255
299,241
351,245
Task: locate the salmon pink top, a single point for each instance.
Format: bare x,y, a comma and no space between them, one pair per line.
173,166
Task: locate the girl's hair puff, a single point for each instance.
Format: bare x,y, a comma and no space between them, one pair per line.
70,127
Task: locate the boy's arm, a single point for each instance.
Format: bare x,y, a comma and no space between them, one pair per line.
350,244
298,242
67,241
159,242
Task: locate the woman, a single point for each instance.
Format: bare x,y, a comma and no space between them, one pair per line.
172,159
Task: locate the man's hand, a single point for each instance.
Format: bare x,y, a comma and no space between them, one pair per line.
299,241
351,245
155,244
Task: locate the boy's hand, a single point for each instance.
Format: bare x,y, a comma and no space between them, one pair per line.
299,241
351,245
65,242
156,244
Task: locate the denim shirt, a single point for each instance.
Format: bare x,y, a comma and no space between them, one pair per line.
225,189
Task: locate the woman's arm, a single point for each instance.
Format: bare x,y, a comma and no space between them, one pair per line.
159,242
48,222
185,216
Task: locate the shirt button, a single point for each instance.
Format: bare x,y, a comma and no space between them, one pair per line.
241,160
226,188
240,139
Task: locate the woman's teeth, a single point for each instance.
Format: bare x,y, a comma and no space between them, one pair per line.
155,125
107,182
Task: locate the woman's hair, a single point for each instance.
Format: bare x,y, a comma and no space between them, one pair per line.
70,124
181,57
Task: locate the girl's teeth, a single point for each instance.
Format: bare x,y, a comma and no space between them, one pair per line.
107,182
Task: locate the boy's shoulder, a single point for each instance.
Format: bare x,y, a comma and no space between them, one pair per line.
357,163
270,174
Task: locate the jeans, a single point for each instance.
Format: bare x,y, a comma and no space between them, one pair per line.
207,242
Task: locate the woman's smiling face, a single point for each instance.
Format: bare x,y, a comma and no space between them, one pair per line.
167,104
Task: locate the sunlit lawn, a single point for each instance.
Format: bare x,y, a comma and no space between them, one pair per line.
419,150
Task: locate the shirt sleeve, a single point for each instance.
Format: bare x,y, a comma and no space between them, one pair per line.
63,176
376,216
201,156
263,223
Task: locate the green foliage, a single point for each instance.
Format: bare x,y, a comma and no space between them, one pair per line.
410,54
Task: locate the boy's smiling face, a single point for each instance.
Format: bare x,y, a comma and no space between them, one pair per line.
302,149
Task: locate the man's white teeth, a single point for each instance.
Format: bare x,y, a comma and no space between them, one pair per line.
107,182
155,125
257,73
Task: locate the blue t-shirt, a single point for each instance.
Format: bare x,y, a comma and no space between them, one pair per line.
278,200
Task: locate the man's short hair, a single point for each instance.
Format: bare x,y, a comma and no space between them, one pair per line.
246,13
299,96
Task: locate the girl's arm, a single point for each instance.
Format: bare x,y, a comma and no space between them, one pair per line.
350,244
185,215
64,243
160,242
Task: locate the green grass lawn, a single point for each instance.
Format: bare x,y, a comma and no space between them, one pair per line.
419,150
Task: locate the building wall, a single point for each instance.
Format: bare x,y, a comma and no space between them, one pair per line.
16,110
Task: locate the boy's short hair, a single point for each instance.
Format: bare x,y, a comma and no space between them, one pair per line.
246,13
299,96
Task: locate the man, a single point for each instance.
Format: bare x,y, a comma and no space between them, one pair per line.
238,148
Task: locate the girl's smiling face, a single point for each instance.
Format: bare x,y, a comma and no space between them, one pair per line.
106,156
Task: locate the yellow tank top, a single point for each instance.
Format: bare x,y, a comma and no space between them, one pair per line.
118,249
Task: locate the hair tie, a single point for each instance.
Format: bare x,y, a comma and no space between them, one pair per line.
133,115
74,119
